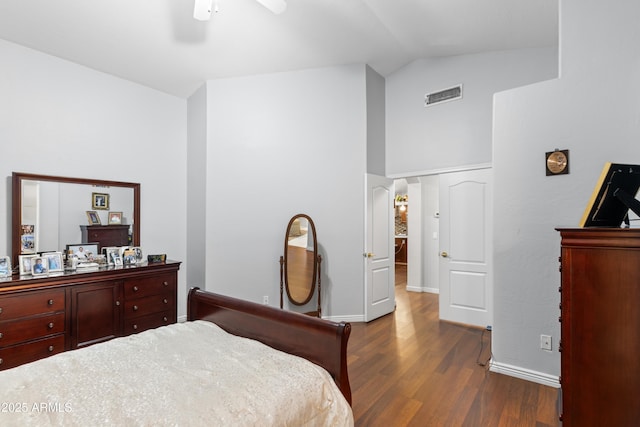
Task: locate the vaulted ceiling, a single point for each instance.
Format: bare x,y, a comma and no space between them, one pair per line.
157,43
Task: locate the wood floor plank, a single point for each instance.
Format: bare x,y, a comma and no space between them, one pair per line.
410,369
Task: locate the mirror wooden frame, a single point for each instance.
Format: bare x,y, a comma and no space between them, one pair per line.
314,276
16,197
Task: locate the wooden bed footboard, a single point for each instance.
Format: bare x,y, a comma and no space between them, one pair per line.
320,341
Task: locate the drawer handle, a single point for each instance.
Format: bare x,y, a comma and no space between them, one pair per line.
135,289
50,325
135,327
135,308
165,319
0,335
50,348
0,360
165,283
50,302
0,310
117,302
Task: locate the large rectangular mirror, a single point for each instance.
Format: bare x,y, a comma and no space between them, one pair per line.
49,210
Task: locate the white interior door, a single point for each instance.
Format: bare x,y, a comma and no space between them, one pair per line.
466,251
379,255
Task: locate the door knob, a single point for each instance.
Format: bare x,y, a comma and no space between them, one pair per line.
443,254
369,255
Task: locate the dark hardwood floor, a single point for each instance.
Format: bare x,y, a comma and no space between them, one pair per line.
410,369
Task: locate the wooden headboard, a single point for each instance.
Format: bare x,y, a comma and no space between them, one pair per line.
320,341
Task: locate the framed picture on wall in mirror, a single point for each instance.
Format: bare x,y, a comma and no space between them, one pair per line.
93,217
115,217
100,201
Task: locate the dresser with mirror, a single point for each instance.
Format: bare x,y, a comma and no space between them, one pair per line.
45,314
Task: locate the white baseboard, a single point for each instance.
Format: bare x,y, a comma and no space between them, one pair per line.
421,289
348,319
526,374
182,319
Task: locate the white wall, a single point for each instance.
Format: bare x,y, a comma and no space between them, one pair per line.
59,118
197,187
278,145
425,140
593,111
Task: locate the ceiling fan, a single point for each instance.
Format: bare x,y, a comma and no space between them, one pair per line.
202,8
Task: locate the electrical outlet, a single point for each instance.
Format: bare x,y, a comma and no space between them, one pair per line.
265,300
545,342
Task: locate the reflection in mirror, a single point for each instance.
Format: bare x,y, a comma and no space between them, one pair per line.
48,211
301,263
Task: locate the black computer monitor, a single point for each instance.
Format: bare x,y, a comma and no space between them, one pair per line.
613,196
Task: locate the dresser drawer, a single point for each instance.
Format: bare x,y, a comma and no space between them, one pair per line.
153,304
15,331
25,353
32,303
155,320
138,288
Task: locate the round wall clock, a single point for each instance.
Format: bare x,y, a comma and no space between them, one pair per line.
557,162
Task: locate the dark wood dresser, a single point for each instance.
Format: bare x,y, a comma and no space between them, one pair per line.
600,327
105,235
47,315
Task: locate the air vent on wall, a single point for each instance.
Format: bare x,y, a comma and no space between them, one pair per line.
444,95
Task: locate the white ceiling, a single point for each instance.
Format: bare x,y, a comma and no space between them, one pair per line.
157,43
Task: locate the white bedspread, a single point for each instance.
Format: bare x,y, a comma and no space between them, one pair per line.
187,374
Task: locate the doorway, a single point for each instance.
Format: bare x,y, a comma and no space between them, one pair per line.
424,270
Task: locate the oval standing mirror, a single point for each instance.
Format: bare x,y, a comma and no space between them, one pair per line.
301,262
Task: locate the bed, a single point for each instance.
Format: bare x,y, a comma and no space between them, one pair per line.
233,362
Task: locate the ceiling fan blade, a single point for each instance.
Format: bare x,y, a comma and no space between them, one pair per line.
275,6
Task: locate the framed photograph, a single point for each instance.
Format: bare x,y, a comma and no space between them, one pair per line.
55,262
28,244
5,266
93,217
138,254
25,263
107,251
129,257
84,251
116,260
39,266
115,217
100,201
157,258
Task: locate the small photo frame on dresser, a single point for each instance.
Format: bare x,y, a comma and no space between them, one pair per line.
25,263
84,251
128,256
116,259
5,266
93,217
157,258
108,250
39,266
55,262
138,253
115,218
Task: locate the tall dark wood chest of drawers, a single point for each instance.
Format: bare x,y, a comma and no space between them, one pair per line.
42,316
105,235
600,327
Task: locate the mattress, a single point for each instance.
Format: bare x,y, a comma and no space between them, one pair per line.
185,374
